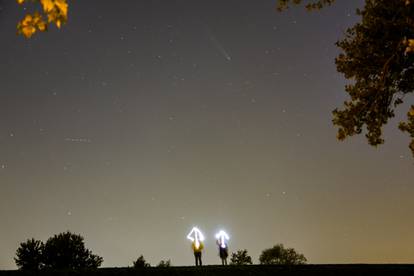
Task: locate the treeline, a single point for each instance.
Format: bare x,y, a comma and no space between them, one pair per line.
67,251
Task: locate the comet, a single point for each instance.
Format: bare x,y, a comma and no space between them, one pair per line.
217,44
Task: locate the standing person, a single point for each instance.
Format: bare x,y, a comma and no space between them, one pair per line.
196,238
221,241
223,251
197,249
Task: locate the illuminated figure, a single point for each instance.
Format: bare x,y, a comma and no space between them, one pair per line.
222,239
196,238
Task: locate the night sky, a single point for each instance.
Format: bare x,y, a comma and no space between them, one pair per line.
140,119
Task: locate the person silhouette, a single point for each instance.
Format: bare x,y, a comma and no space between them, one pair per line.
196,238
223,251
197,247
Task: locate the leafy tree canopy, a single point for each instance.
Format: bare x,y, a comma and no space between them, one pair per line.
67,251
63,251
29,255
240,258
278,254
378,57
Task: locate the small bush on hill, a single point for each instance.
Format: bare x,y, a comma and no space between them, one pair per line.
278,254
240,258
140,262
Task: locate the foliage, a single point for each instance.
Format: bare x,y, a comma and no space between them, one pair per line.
164,263
140,262
29,255
409,127
240,258
52,11
67,251
313,5
278,254
377,57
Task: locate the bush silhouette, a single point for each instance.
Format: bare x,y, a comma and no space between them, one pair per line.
140,262
164,263
67,251
240,258
29,255
278,254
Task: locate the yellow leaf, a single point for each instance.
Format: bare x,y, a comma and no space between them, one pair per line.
63,7
42,26
47,5
54,11
26,26
28,31
51,17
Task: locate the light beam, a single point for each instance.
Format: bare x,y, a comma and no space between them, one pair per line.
222,237
196,236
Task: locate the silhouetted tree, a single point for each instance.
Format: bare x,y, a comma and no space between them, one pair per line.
140,262
278,254
29,255
164,263
240,258
67,251
377,56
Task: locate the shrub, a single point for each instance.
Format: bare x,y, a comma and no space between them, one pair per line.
278,254
164,263
240,258
29,255
140,262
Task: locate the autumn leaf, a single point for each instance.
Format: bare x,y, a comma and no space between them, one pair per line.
56,11
26,26
63,7
48,5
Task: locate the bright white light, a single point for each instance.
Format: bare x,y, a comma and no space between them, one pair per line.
222,237
196,236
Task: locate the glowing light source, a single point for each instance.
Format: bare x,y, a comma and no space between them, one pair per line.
196,236
222,237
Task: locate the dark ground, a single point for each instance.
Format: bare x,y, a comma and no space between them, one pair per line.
353,269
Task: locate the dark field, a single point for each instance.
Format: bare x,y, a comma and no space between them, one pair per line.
354,270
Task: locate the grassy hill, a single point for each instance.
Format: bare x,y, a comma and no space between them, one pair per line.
260,270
